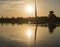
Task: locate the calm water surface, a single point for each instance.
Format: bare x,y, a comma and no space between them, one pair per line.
23,35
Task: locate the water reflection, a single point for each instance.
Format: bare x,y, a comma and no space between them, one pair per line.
51,27
22,34
29,33
26,34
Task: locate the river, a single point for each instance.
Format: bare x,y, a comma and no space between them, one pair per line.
23,35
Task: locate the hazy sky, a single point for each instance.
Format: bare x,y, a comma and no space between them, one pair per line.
16,8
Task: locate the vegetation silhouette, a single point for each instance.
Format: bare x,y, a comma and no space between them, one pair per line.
52,17
40,20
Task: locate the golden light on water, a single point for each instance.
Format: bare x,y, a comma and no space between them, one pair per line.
29,33
29,9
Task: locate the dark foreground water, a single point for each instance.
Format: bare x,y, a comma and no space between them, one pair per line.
23,35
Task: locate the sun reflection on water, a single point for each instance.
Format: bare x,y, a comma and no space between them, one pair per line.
29,33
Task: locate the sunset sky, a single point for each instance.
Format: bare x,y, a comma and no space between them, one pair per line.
17,8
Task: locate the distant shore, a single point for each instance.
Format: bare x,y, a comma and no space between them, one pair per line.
33,20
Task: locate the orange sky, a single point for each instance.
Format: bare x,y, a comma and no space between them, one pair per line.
16,8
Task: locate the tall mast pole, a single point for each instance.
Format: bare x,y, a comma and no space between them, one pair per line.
36,25
35,10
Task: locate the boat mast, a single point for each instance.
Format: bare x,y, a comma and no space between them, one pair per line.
35,10
36,25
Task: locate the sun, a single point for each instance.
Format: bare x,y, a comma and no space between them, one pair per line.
29,9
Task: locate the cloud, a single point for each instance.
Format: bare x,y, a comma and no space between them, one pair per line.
12,0
12,5
6,5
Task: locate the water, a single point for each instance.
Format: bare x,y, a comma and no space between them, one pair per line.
23,35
